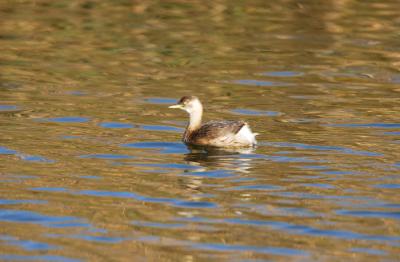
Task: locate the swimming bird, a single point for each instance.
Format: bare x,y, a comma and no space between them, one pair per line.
213,133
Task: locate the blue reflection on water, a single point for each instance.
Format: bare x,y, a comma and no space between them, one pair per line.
67,119
160,128
158,100
372,125
115,125
21,201
169,166
290,159
26,244
318,185
220,173
194,204
339,172
37,258
8,108
101,239
388,186
35,158
394,133
6,151
255,112
90,177
50,189
70,137
25,157
253,82
22,216
368,251
163,147
77,93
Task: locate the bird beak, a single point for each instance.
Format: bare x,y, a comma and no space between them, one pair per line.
176,106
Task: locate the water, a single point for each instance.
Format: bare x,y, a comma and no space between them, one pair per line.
91,163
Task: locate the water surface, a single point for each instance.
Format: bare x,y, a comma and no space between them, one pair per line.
91,163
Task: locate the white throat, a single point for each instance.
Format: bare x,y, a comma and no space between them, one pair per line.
195,110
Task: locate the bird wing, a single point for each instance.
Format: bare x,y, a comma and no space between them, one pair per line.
218,129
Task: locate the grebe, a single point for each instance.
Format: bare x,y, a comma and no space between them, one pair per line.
214,133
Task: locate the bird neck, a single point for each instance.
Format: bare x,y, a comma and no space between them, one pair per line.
194,124
195,120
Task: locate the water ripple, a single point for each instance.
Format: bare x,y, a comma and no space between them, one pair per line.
224,247
369,213
314,167
174,202
371,125
343,150
298,229
157,225
253,82
369,251
106,156
283,73
254,187
138,197
279,251
31,257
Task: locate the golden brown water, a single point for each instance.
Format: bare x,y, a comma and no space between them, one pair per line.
91,163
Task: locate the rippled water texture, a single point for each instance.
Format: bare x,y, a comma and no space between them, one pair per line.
91,163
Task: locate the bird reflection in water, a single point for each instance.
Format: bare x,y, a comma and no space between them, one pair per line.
215,163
